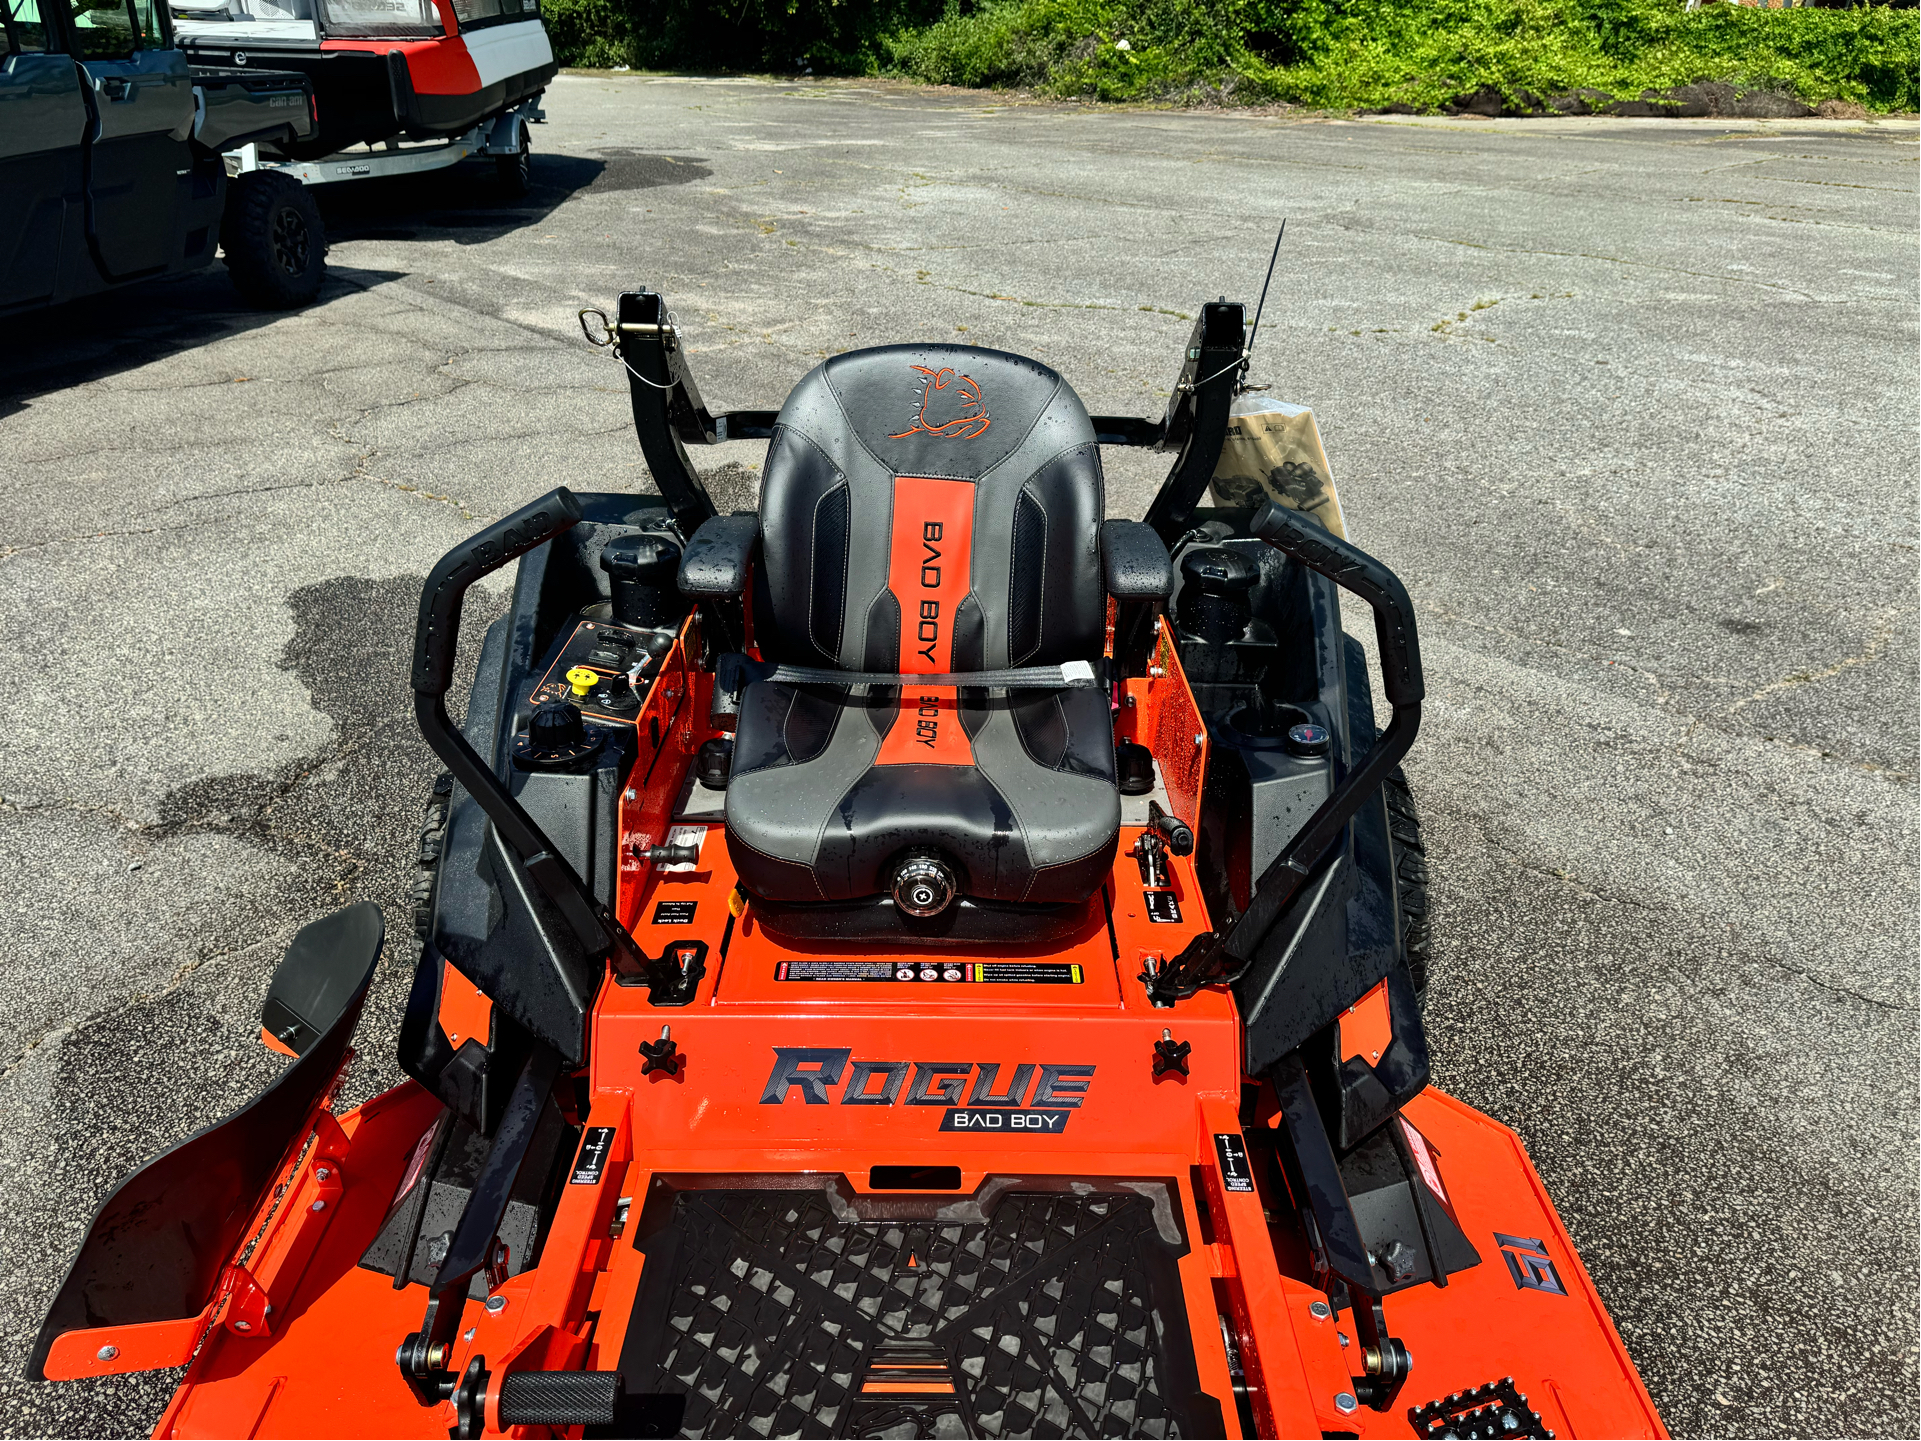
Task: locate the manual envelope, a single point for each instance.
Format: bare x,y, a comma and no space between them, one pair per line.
1273,450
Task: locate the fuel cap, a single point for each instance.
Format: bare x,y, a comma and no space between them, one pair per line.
556,726
1308,740
555,738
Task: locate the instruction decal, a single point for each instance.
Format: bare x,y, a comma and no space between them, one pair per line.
950,972
675,913
1230,1148
595,1146
1163,907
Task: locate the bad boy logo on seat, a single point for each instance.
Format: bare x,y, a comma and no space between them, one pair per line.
949,405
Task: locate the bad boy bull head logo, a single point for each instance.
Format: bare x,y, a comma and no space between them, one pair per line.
949,405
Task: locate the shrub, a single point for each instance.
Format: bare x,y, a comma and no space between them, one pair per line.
830,36
1335,54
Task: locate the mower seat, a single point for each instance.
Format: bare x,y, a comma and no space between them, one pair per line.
926,510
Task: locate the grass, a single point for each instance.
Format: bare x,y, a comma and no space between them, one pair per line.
1417,55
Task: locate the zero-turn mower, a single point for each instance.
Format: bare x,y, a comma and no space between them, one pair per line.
923,959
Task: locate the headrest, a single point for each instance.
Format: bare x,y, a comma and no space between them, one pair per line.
938,410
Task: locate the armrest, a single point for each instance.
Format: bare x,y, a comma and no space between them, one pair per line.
1135,561
714,566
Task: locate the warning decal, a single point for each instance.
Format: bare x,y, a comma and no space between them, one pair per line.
950,972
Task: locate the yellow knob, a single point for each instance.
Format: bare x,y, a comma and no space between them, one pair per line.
582,679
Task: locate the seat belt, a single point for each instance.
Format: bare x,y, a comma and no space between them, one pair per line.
1071,675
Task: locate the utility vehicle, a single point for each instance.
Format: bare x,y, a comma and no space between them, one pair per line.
111,160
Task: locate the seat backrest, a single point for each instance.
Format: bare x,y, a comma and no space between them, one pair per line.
929,508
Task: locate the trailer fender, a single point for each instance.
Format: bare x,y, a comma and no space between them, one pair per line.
504,135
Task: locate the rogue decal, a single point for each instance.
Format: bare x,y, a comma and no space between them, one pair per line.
1035,1098
949,405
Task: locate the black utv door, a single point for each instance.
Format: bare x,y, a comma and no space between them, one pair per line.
140,171
43,124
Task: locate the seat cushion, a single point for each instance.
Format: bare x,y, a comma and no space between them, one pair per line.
830,786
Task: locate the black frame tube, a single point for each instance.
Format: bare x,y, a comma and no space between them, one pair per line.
1197,414
667,406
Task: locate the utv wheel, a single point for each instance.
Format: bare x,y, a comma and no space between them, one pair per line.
1410,875
514,173
433,836
275,246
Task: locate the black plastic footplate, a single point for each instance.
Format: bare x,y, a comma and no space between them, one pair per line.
790,1313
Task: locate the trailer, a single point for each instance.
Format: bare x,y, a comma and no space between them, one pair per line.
402,85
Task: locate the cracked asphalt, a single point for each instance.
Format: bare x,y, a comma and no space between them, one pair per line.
1629,404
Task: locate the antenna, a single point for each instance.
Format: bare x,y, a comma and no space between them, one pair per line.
1264,284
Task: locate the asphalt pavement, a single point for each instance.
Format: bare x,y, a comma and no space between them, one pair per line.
1629,404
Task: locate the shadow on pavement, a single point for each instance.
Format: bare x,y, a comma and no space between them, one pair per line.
103,335
463,204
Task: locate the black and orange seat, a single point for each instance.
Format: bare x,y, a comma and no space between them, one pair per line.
926,510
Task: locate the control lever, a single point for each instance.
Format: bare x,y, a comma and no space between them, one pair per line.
424,1356
1164,833
1174,830
1151,851
590,926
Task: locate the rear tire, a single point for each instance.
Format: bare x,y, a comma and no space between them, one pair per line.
514,173
274,243
1409,853
433,837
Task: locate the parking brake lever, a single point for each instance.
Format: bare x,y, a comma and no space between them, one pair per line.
1174,830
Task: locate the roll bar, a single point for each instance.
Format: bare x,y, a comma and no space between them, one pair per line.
1224,956
436,636
669,414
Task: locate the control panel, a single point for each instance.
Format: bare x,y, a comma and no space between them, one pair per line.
605,670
